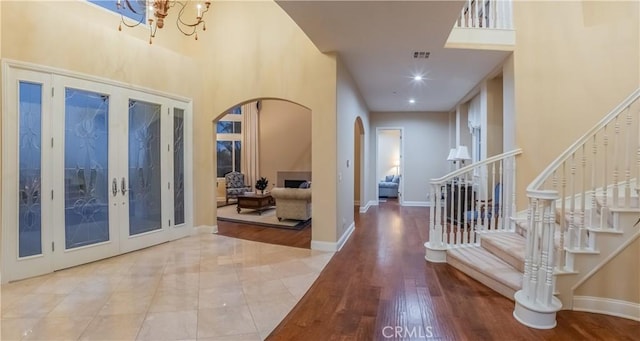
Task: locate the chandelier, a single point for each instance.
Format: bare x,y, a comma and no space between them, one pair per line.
131,9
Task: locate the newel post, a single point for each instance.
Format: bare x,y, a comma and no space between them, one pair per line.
536,306
436,250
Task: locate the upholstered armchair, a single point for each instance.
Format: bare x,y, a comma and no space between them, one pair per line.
292,203
235,185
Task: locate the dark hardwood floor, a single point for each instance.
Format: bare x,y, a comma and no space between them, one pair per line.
272,235
379,287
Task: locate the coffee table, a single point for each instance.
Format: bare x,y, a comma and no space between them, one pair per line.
257,202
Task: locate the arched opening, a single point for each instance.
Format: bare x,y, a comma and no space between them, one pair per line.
358,161
263,169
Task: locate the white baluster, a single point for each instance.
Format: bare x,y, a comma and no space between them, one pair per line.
492,13
469,14
528,251
582,235
627,161
513,192
499,201
638,156
535,240
509,14
550,249
593,222
476,17
563,213
616,162
604,209
435,193
458,218
572,203
500,14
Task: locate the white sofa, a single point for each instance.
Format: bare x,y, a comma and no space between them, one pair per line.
292,203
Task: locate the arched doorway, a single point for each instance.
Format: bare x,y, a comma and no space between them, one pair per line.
262,138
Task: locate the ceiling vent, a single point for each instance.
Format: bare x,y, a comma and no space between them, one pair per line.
421,55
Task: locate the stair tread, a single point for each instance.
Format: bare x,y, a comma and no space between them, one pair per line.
509,242
619,203
488,264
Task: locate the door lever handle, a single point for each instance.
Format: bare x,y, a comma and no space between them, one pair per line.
114,187
123,186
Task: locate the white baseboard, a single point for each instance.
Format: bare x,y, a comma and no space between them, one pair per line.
607,306
334,247
369,204
415,203
346,235
206,229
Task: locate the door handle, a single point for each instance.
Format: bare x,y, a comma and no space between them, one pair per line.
114,187
123,186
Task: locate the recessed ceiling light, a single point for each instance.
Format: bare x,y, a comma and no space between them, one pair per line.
417,77
412,101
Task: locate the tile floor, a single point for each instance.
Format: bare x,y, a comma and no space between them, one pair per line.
204,287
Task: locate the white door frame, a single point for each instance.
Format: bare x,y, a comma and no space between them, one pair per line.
14,267
379,176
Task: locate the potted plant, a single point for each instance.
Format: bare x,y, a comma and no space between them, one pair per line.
261,184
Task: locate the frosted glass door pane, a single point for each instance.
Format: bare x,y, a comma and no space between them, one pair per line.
30,212
145,206
178,165
86,165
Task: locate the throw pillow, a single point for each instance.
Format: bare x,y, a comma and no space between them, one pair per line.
396,179
305,184
388,178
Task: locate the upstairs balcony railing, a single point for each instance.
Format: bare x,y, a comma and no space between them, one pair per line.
473,199
488,14
572,198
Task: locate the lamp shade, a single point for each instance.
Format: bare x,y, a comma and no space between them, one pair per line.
452,155
462,153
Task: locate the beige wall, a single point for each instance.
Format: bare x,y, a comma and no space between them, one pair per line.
624,268
266,56
254,50
494,126
573,62
285,138
420,164
350,106
508,106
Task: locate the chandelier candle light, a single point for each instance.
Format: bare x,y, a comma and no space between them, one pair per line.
160,10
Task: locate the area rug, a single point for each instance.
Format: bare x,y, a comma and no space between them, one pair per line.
267,218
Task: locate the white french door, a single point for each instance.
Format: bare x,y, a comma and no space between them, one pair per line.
90,170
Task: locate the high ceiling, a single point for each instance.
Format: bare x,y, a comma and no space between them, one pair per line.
377,40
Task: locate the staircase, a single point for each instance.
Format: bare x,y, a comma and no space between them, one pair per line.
582,213
499,260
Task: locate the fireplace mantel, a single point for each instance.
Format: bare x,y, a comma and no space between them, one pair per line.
291,175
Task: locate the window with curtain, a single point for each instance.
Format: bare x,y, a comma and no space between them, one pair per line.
229,142
229,157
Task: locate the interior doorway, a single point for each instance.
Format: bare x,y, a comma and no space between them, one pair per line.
389,165
359,198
